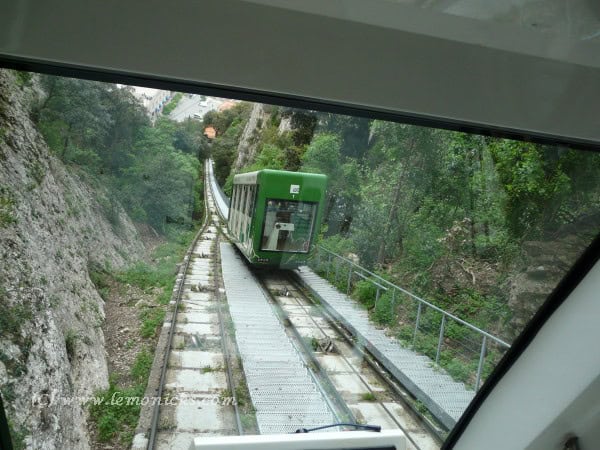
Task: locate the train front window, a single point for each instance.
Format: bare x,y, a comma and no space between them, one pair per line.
288,226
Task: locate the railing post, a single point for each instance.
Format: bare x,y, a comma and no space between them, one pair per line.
328,264
393,303
437,355
377,296
349,279
481,358
417,323
337,269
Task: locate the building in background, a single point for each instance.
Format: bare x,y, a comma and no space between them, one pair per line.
210,132
154,100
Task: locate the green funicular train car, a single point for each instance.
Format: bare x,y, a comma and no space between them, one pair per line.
275,215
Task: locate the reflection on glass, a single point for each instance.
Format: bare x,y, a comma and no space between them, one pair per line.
288,225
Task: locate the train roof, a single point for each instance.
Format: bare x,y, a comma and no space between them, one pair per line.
256,176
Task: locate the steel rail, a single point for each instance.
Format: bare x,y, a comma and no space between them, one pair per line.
219,298
372,362
226,355
177,295
340,410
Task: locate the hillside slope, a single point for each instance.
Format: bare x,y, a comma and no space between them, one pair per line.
54,226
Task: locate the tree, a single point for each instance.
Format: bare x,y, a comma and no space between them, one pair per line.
75,112
323,155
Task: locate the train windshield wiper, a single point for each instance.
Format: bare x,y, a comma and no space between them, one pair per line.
375,428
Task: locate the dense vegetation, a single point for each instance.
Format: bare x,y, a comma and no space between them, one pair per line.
443,214
103,129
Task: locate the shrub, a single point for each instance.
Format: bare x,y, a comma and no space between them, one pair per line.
365,292
383,312
100,278
71,343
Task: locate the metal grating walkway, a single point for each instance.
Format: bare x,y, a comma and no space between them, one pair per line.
445,398
285,395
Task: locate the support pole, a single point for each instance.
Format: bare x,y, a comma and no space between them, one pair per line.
417,323
437,355
349,280
481,358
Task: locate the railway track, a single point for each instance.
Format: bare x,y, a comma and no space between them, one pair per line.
252,353
197,386
370,395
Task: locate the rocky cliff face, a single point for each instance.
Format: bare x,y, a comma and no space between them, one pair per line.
53,227
248,146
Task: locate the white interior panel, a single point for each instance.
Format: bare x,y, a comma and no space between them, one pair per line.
382,55
553,389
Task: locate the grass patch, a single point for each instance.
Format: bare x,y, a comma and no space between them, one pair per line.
142,365
163,271
116,410
368,397
311,342
151,319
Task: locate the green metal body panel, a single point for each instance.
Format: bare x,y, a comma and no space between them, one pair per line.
277,185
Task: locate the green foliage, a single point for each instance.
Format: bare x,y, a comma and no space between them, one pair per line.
164,270
270,157
140,371
384,312
36,171
7,203
368,397
325,155
169,107
23,79
12,318
104,130
17,435
459,370
116,411
365,292
144,276
152,319
541,182
420,407
101,279
338,244
161,180
229,125
71,339
312,343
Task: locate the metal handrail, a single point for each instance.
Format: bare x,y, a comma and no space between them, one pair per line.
418,299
